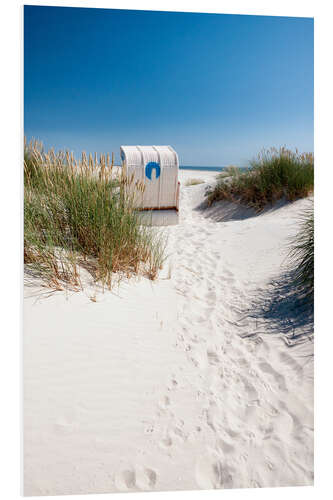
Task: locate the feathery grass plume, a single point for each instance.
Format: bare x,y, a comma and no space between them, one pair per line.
76,214
275,174
302,253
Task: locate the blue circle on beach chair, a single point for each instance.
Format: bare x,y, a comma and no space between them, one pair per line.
150,167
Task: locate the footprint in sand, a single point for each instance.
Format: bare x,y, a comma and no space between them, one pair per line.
210,473
132,479
164,403
174,435
265,367
173,384
225,447
149,429
145,478
177,431
250,391
125,480
166,442
212,416
213,357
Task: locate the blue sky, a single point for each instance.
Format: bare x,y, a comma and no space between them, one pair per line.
218,88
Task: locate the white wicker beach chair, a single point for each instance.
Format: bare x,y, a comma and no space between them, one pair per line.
156,167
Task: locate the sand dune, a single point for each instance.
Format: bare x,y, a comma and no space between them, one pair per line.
196,381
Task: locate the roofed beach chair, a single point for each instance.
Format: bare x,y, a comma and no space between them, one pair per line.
152,173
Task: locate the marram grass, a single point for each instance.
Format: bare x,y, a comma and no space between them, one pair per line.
302,254
275,174
77,215
193,182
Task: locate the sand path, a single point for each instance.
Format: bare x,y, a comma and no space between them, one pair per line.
173,385
254,414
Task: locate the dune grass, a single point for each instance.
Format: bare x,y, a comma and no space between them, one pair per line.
194,182
77,216
275,174
229,171
302,254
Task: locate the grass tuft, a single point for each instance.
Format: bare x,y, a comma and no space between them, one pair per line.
194,182
302,254
275,174
77,215
230,171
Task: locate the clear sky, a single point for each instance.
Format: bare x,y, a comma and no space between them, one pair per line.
218,88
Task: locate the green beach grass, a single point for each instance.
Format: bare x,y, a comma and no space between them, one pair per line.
302,253
275,174
76,214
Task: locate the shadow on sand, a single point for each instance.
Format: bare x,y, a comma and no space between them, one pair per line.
285,309
281,307
224,211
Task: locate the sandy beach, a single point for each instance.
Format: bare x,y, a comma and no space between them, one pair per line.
181,383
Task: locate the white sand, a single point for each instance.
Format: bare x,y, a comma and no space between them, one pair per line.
153,387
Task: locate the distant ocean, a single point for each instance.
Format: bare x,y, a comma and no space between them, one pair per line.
200,168
212,169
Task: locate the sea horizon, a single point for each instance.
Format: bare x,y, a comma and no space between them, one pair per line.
198,168
202,167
